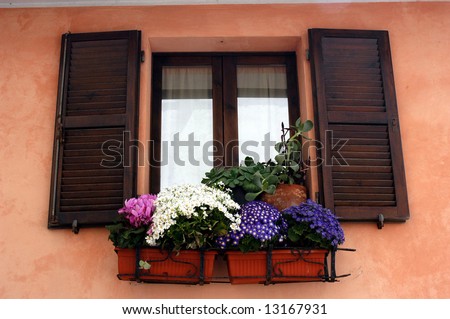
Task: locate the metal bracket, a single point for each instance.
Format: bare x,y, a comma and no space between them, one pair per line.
142,56
308,55
380,222
75,228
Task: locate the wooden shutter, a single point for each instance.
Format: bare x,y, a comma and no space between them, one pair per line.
362,173
94,160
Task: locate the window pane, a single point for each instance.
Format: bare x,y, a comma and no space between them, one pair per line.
186,124
262,106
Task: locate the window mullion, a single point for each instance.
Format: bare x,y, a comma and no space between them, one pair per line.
218,112
230,112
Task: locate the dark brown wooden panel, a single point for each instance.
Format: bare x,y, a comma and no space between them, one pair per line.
357,122
95,163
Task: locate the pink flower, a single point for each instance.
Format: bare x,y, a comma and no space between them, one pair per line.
139,211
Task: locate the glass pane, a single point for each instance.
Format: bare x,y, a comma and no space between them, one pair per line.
262,106
186,124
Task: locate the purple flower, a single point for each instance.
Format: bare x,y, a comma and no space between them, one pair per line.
323,224
139,211
260,221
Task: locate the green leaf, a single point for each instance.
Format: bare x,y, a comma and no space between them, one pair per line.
293,236
272,180
294,166
144,265
308,125
257,179
249,161
271,189
280,158
277,170
249,187
278,146
251,196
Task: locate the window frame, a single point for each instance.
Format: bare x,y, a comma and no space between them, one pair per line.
224,94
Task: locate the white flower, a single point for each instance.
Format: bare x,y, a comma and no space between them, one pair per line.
185,200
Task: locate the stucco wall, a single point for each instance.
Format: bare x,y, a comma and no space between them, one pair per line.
407,260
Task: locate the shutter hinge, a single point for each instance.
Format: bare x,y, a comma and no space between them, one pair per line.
142,56
380,222
308,56
394,122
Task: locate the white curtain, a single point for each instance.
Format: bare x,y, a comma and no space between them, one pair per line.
262,106
187,118
186,124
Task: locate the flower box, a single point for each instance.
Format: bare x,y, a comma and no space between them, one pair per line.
281,265
185,266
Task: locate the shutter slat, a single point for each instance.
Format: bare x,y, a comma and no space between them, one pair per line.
361,205
90,202
108,166
343,90
367,162
85,172
365,148
355,100
359,176
355,168
362,155
90,209
362,141
95,194
361,182
98,92
365,190
364,197
348,76
67,181
91,187
94,79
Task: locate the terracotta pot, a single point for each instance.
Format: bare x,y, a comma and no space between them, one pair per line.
286,195
165,266
287,265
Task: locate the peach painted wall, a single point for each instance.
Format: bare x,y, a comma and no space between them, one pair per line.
409,260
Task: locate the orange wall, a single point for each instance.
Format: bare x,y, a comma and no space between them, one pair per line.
408,260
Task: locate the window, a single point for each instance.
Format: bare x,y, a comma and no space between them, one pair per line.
94,164
213,110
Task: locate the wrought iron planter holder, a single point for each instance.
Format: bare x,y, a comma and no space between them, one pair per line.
196,266
186,266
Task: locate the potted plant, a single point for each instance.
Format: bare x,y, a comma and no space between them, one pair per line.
192,217
288,246
290,167
248,180
261,227
279,182
312,225
131,225
185,222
